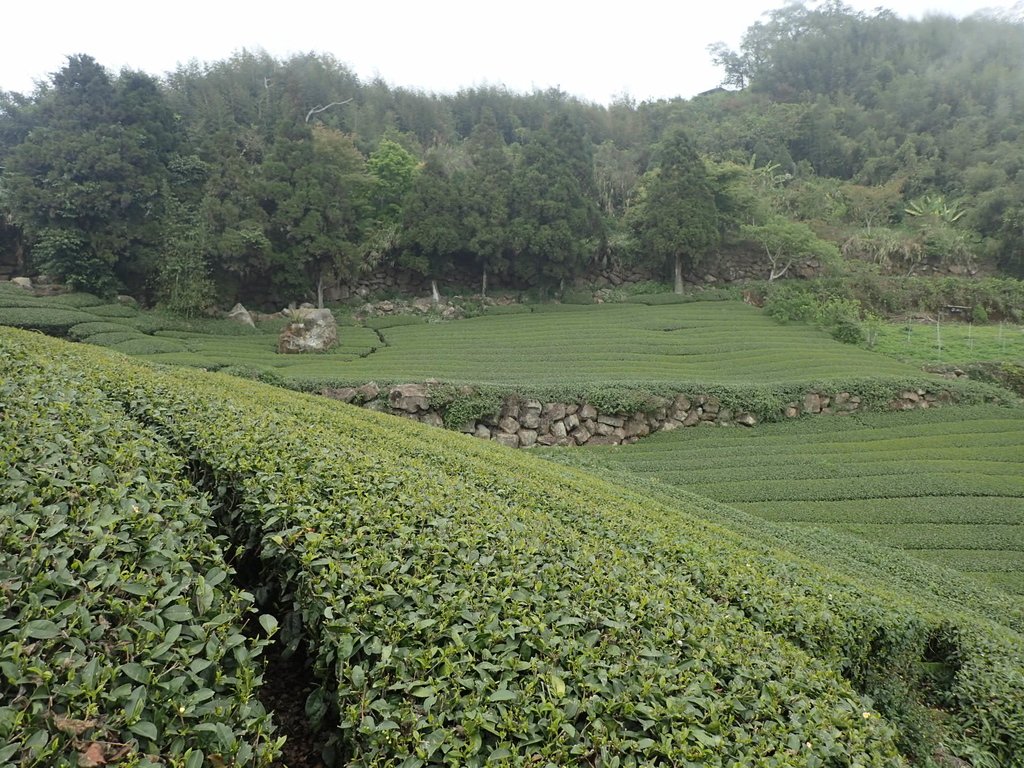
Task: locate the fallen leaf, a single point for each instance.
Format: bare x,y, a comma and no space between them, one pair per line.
73,727
92,757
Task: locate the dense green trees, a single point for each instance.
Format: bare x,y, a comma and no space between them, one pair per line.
676,219
87,183
277,180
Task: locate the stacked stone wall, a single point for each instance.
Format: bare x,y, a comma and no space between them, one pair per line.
525,423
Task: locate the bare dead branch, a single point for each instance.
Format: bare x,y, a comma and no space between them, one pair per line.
318,108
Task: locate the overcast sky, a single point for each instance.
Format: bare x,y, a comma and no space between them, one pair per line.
642,48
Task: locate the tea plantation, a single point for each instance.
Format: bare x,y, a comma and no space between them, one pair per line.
462,604
945,486
666,345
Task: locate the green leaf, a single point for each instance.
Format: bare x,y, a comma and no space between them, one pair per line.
194,758
136,672
358,676
177,613
269,624
502,694
433,741
42,629
136,703
344,647
145,729
215,576
557,685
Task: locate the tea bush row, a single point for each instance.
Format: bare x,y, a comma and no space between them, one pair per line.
458,622
474,604
120,632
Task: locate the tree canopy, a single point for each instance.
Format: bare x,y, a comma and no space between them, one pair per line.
273,180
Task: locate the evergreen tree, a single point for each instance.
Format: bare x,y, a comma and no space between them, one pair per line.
486,199
88,184
555,223
432,222
676,220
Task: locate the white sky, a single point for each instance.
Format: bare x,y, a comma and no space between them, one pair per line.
593,50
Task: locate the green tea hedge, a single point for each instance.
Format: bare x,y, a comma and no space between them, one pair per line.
120,632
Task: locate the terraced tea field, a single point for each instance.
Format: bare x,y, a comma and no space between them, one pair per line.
946,487
712,342
706,343
950,343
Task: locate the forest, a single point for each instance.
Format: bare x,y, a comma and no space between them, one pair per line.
836,135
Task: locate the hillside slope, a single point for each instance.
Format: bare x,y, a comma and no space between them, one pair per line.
466,604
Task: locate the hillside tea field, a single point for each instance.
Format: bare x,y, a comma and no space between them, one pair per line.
950,343
710,342
670,345
945,487
461,604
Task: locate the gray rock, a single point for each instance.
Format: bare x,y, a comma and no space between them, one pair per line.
311,330
129,301
509,425
691,418
680,405
603,429
240,314
558,429
532,405
409,398
527,438
345,394
530,418
746,419
571,421
588,412
368,391
433,418
482,432
580,435
23,282
637,426
812,402
547,440
610,420
554,411
792,412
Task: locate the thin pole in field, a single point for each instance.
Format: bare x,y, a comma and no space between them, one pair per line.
970,335
938,333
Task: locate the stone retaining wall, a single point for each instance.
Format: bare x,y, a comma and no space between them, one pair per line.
525,423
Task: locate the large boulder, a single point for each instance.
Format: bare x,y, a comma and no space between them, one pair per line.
409,397
241,315
310,330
